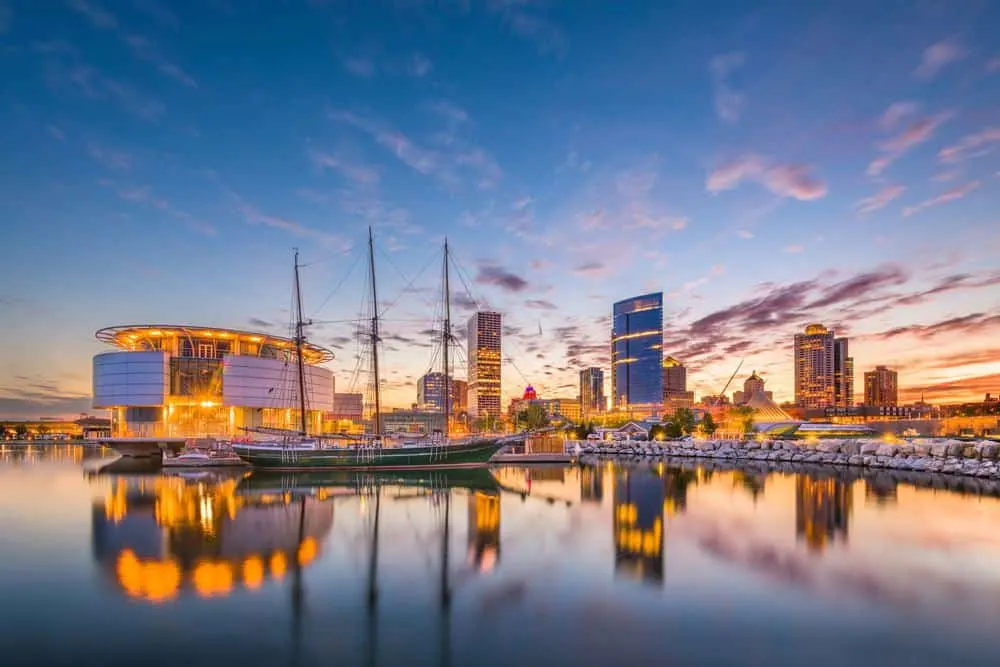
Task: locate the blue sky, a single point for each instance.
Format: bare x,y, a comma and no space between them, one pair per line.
763,166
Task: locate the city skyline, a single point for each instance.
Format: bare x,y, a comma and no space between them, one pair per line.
763,176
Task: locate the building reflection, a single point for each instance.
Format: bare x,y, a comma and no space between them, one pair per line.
591,484
161,537
484,530
638,524
822,511
880,489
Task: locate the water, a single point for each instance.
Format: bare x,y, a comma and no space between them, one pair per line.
658,564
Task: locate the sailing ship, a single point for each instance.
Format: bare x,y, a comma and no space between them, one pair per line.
302,451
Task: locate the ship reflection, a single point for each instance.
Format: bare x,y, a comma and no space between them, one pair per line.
161,537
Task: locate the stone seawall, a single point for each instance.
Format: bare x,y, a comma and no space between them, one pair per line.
949,457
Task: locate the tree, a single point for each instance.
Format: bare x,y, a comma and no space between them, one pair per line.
581,431
744,418
684,418
673,428
487,424
658,432
708,425
21,431
535,417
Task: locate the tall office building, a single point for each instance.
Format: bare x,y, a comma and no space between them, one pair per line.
484,333
592,391
843,375
824,372
459,396
674,377
431,391
637,353
882,387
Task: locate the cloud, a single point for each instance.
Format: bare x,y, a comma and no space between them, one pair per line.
745,234
157,11
896,112
937,56
784,180
143,195
880,199
951,195
795,248
993,65
522,203
419,65
484,163
965,325
498,277
915,134
961,281
449,111
360,174
969,358
728,103
97,15
594,220
954,390
254,216
145,50
592,269
530,26
257,322
360,67
540,304
968,145
860,286
109,157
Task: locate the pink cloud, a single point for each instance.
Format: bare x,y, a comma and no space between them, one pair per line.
728,102
795,248
951,195
993,65
784,180
896,112
880,198
357,173
915,134
968,144
937,56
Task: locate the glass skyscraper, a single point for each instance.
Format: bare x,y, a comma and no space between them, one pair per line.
637,352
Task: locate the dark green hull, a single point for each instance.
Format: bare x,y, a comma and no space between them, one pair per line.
472,479
471,454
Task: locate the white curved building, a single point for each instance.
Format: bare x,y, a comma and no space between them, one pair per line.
184,381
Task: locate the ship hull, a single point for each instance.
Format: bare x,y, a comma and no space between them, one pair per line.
466,455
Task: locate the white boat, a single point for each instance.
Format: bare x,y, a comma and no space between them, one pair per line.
203,455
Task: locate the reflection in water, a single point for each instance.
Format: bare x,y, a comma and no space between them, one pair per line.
159,536
591,484
822,510
880,489
638,524
484,530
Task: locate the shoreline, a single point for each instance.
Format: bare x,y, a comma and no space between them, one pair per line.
936,456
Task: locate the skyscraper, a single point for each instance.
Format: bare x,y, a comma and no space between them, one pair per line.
637,352
824,373
882,387
674,377
592,391
843,375
484,332
430,390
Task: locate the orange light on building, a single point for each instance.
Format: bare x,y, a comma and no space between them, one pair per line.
279,565
211,579
307,551
253,572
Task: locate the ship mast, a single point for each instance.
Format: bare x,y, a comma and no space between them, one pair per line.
446,341
299,340
374,335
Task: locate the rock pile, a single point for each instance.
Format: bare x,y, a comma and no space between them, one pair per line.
957,457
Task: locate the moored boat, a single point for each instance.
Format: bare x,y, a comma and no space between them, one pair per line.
203,454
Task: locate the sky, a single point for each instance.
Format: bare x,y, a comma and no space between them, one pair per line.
763,166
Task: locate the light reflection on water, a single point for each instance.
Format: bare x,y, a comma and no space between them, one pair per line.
669,562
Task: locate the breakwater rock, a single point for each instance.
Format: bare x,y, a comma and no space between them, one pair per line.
949,457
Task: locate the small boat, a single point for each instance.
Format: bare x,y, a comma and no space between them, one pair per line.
200,454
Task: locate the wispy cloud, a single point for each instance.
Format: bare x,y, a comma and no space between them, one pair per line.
937,56
795,248
896,112
915,134
728,103
159,12
450,111
419,65
993,65
951,195
491,274
144,49
361,174
592,269
144,195
95,13
540,304
110,158
745,234
526,22
972,145
880,199
360,66
254,216
784,180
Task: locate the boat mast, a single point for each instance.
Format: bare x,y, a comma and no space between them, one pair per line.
446,341
374,335
299,340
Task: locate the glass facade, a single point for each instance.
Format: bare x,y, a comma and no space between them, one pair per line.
637,352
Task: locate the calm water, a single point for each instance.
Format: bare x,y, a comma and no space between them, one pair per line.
657,564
